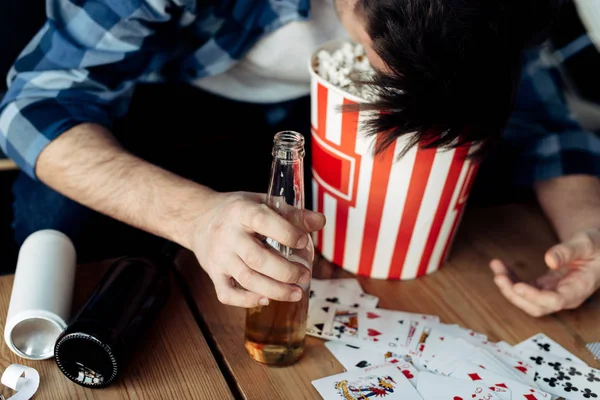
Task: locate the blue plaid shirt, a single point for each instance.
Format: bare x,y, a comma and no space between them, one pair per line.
84,63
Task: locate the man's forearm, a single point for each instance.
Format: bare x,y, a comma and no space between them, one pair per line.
571,203
88,165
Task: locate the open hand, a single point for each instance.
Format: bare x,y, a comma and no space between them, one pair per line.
227,243
573,277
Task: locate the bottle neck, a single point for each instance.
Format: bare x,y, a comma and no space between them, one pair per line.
286,186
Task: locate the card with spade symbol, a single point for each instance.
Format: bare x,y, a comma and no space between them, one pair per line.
342,292
317,316
353,357
341,324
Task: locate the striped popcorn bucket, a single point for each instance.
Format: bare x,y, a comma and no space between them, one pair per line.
387,217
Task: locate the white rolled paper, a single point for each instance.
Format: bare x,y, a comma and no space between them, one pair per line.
40,302
24,380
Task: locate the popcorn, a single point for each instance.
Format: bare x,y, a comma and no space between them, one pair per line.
344,65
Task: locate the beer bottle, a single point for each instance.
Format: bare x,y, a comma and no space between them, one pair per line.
275,333
101,338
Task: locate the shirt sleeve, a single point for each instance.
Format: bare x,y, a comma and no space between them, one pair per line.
546,138
80,67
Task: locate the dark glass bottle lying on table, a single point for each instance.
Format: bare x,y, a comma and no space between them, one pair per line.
101,338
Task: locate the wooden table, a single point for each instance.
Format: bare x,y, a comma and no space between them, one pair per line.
176,363
195,355
462,292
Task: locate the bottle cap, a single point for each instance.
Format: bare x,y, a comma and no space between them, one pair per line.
40,301
86,360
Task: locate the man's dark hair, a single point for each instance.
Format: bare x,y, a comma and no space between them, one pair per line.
454,66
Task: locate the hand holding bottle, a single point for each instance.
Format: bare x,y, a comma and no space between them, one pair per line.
227,243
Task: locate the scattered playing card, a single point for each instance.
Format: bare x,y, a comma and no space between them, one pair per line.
455,349
317,316
389,328
569,380
353,357
439,387
400,355
511,358
379,382
341,292
342,324
543,344
497,382
405,366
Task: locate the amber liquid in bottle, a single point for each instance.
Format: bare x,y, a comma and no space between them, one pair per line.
275,334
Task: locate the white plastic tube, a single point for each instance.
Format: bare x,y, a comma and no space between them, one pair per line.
40,302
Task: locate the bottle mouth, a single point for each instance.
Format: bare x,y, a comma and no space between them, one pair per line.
289,141
85,360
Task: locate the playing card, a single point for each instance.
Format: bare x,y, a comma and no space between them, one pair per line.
497,382
524,369
457,349
432,339
353,357
439,387
320,286
405,366
428,341
379,382
543,344
569,380
390,328
342,324
467,334
341,292
317,316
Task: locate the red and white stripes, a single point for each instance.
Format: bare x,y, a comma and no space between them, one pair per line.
387,218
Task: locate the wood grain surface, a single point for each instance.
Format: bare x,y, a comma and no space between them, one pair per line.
462,292
175,361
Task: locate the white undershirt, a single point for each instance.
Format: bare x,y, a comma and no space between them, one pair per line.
276,68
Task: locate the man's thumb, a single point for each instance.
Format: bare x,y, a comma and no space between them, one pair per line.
563,254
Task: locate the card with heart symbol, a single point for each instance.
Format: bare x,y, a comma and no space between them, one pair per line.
440,360
353,357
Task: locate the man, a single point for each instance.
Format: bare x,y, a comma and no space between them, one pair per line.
452,67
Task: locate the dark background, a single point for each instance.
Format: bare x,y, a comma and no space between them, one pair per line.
19,21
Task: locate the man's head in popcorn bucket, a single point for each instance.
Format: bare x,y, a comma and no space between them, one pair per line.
448,69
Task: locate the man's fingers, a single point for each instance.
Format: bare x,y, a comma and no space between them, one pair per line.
576,291
309,221
583,246
507,289
499,268
267,262
549,281
232,296
256,282
264,221
545,299
505,280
